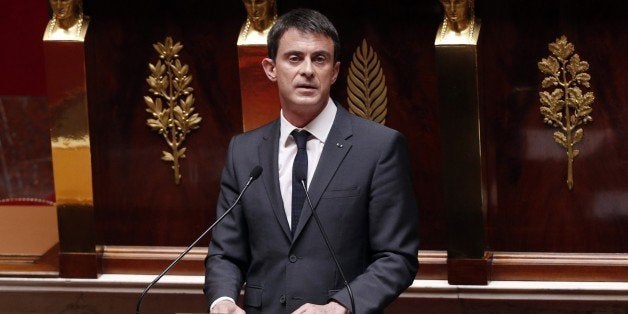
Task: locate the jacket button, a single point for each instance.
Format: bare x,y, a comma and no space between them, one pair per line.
282,299
293,259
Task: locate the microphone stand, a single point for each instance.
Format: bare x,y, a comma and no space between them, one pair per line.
329,246
255,173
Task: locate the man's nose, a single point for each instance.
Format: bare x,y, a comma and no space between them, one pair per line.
307,68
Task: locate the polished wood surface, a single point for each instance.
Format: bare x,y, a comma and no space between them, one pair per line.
530,206
19,265
136,200
461,147
433,265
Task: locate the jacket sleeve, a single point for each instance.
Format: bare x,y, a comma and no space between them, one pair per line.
228,255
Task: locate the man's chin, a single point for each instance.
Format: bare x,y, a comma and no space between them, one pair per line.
306,92
313,102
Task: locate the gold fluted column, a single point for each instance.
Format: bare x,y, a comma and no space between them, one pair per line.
463,191
64,53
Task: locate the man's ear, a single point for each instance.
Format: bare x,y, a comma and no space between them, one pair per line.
269,68
336,71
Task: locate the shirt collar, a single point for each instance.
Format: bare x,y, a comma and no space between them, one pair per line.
319,127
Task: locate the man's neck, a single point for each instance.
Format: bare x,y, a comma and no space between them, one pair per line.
300,120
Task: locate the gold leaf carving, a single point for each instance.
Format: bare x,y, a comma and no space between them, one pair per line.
169,83
366,85
566,107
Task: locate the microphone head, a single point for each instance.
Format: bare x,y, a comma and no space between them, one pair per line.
256,172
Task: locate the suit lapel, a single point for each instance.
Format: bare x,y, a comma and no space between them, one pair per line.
336,148
268,152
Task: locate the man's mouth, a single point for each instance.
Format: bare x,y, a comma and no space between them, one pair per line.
306,86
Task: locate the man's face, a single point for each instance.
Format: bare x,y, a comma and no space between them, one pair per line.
304,70
62,9
256,9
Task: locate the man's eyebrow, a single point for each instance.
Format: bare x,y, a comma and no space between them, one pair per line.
322,52
301,53
293,52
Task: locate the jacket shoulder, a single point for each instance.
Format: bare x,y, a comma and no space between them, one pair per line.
262,132
373,131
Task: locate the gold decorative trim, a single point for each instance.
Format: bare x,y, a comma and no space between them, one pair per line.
566,107
170,83
366,85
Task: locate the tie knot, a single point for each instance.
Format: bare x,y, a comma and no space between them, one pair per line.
300,137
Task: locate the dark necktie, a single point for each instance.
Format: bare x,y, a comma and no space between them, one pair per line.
299,172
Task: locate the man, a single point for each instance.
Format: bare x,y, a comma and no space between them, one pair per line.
357,176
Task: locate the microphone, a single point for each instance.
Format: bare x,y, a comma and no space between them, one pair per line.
255,173
301,176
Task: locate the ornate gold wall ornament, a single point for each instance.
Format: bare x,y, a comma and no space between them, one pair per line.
68,22
366,85
460,25
566,107
261,15
170,83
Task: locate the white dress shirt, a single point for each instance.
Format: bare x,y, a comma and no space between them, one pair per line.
319,129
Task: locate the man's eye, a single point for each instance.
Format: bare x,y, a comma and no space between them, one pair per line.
320,59
293,59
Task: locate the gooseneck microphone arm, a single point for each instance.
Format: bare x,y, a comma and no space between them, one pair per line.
255,173
329,246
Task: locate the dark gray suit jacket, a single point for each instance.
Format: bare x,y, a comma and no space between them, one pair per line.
363,194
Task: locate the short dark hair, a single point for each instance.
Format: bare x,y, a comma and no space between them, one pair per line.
303,20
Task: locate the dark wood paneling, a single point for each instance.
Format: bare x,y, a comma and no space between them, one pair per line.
136,200
530,206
